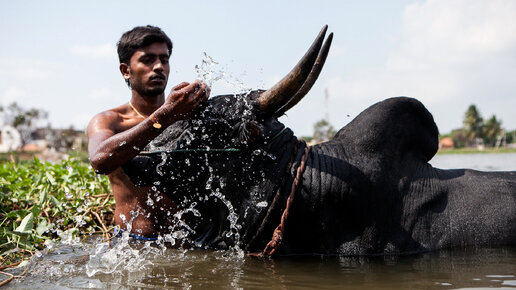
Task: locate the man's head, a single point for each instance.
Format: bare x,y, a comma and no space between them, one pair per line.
139,37
143,53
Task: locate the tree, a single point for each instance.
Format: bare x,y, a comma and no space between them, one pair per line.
323,131
24,120
459,137
491,130
473,124
510,137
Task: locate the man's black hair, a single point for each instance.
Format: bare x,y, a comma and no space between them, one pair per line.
139,37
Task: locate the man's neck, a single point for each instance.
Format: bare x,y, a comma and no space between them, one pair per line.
147,104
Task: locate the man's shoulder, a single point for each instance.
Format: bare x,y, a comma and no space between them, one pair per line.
108,118
114,113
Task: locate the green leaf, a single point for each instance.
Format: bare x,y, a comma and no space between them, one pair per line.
50,178
42,227
42,197
26,224
8,246
57,203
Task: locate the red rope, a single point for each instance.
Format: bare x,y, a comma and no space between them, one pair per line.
277,236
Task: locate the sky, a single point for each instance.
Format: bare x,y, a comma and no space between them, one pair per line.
60,56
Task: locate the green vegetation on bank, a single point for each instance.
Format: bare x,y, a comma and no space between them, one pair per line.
479,132
42,202
468,150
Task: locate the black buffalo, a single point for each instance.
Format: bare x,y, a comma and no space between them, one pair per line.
243,179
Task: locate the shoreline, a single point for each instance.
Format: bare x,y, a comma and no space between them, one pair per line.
475,151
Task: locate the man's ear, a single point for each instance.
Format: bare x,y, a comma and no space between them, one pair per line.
125,70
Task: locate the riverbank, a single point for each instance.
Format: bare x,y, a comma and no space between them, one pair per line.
476,151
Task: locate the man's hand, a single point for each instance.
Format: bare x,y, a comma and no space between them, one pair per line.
182,102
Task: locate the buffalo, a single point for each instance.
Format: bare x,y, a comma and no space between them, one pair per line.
242,179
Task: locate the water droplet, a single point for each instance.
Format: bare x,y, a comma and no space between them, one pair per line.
122,143
262,204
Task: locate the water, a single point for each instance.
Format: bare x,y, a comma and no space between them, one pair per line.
199,269
122,264
479,161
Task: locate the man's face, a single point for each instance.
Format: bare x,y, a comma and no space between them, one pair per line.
148,69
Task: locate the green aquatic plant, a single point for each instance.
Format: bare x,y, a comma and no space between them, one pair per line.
41,203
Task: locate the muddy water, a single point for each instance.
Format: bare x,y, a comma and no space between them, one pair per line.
179,269
122,265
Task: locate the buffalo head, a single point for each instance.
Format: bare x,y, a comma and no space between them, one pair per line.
226,164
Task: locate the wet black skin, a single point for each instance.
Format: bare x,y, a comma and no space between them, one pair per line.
368,191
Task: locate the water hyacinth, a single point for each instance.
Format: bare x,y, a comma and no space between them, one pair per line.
42,203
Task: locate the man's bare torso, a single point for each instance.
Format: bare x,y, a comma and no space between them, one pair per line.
142,209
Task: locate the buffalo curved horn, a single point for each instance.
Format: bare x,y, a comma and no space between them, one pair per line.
294,86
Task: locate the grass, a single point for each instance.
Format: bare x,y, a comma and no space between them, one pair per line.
468,150
42,202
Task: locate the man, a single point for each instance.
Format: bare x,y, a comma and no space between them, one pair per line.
118,135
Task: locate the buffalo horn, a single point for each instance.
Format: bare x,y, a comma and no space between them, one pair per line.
280,97
310,80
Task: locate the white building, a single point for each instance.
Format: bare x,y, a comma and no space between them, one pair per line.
10,139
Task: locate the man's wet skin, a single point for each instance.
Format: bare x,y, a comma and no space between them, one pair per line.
118,135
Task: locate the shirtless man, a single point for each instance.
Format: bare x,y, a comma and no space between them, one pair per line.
118,135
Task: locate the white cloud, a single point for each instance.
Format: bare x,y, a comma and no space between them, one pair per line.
100,51
455,32
27,69
10,95
449,55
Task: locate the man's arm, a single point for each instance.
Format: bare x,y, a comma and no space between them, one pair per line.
109,150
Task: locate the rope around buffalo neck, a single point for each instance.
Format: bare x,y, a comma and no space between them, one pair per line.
277,236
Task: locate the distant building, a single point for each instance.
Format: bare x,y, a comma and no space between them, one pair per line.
61,140
10,139
446,143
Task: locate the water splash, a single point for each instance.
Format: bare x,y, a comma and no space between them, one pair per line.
210,72
206,72
163,161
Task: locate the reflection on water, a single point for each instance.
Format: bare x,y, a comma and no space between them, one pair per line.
121,265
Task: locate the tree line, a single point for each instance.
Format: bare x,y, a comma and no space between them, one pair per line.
476,131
